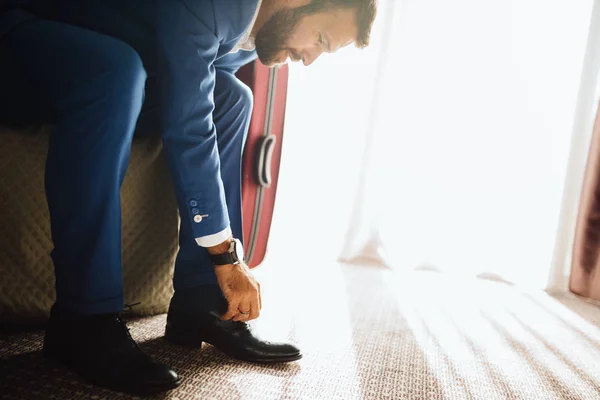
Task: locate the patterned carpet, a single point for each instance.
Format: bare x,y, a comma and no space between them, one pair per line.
368,333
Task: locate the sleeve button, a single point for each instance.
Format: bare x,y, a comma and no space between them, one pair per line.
198,219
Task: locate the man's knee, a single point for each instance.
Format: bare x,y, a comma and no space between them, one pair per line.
127,73
232,95
246,98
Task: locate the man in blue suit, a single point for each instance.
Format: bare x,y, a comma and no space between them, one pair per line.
102,71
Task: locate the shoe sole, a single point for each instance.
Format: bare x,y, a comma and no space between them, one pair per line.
196,343
279,360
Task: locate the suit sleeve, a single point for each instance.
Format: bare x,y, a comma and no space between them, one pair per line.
187,49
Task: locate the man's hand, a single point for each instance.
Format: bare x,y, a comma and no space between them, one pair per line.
241,290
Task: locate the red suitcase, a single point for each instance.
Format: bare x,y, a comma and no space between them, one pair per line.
262,155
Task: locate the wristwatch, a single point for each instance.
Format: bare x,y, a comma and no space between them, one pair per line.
233,255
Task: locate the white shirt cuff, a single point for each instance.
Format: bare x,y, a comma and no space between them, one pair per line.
215,239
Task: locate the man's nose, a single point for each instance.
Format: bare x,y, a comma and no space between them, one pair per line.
311,57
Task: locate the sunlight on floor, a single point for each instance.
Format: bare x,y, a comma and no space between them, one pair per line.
460,337
480,335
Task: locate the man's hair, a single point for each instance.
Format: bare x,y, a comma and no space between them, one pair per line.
366,10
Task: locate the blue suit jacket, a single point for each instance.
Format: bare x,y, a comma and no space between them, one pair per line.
181,42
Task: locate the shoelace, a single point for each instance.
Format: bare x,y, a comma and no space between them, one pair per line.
128,309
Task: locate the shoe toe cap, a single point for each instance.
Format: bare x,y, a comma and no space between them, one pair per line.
159,375
280,350
289,349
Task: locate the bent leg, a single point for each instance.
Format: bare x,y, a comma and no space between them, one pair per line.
91,86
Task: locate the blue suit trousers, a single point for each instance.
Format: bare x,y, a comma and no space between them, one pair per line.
92,87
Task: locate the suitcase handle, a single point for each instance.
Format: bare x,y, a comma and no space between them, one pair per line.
265,157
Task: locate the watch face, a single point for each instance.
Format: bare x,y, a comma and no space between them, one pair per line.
239,249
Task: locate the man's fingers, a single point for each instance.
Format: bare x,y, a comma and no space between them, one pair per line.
232,310
228,315
254,309
241,317
243,311
259,297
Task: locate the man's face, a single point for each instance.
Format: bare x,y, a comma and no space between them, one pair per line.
301,35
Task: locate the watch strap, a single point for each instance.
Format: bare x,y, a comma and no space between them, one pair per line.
223,258
228,257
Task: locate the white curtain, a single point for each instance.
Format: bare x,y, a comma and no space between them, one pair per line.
446,144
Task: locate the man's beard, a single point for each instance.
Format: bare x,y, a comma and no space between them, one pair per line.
274,35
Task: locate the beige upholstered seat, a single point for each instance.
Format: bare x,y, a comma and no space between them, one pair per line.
150,221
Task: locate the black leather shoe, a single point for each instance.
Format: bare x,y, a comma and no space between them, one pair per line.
194,317
101,350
